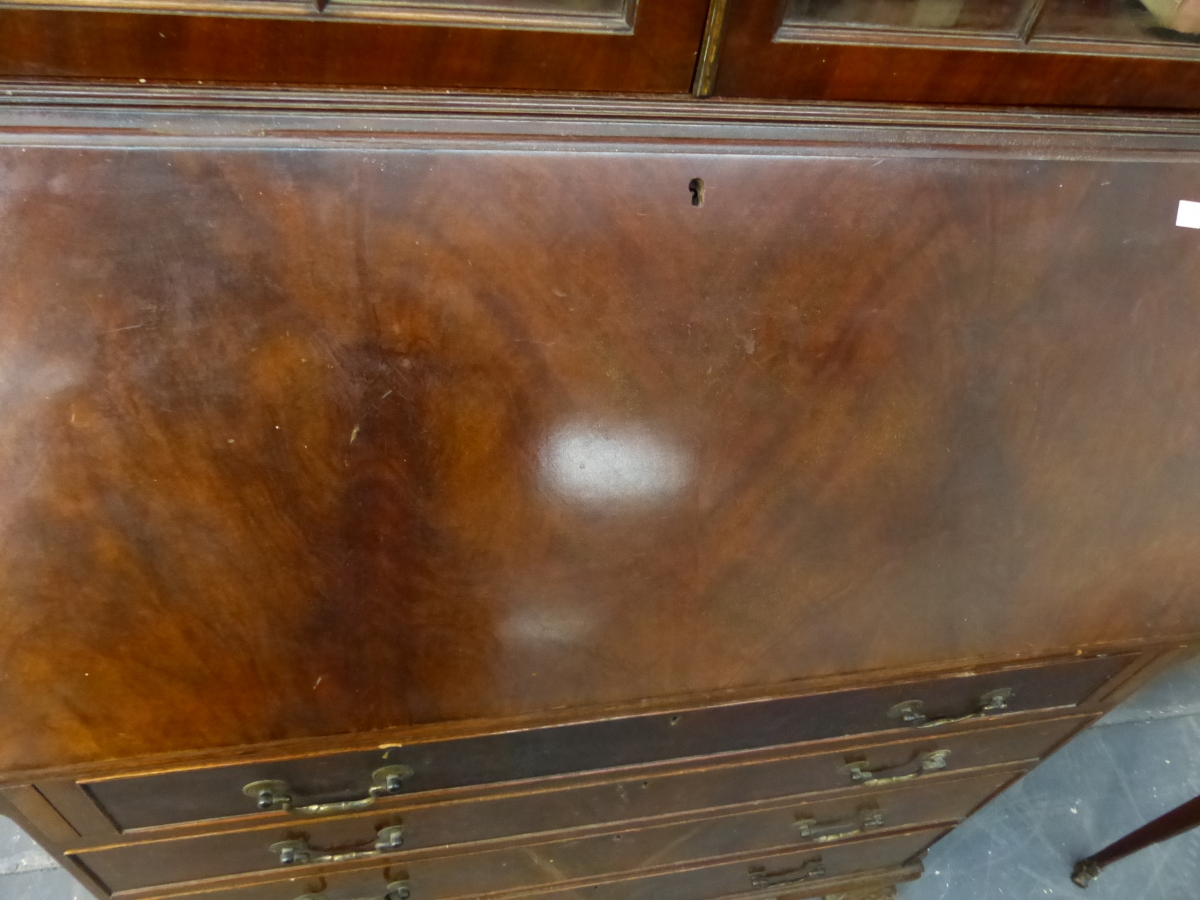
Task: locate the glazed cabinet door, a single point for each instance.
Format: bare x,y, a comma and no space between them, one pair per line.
561,45
1117,53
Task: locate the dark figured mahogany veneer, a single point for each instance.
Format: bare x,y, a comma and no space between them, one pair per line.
429,497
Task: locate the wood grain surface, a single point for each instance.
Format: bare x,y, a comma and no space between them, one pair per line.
306,443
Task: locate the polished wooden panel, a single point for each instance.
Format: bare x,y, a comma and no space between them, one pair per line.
944,68
292,439
636,846
216,792
78,807
659,55
436,878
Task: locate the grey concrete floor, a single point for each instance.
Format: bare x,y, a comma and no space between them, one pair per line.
1140,761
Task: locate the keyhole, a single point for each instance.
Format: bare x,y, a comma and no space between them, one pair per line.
696,186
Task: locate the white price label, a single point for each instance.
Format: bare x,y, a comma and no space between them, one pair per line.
1188,215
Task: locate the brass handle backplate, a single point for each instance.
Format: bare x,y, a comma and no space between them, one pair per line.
866,819
809,869
297,852
276,795
912,712
397,890
920,764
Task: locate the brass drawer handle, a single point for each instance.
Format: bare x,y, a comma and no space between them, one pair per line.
272,795
921,764
866,819
810,869
297,852
397,890
912,712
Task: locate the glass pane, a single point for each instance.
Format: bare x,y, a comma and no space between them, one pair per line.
921,15
1176,21
562,7
602,16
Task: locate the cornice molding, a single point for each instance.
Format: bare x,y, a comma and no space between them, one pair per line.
105,114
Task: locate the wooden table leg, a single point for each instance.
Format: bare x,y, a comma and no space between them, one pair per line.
1177,821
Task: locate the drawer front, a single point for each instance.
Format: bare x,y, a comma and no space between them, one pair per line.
437,880
925,795
780,828
219,792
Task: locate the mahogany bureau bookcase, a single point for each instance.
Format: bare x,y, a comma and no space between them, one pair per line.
534,450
